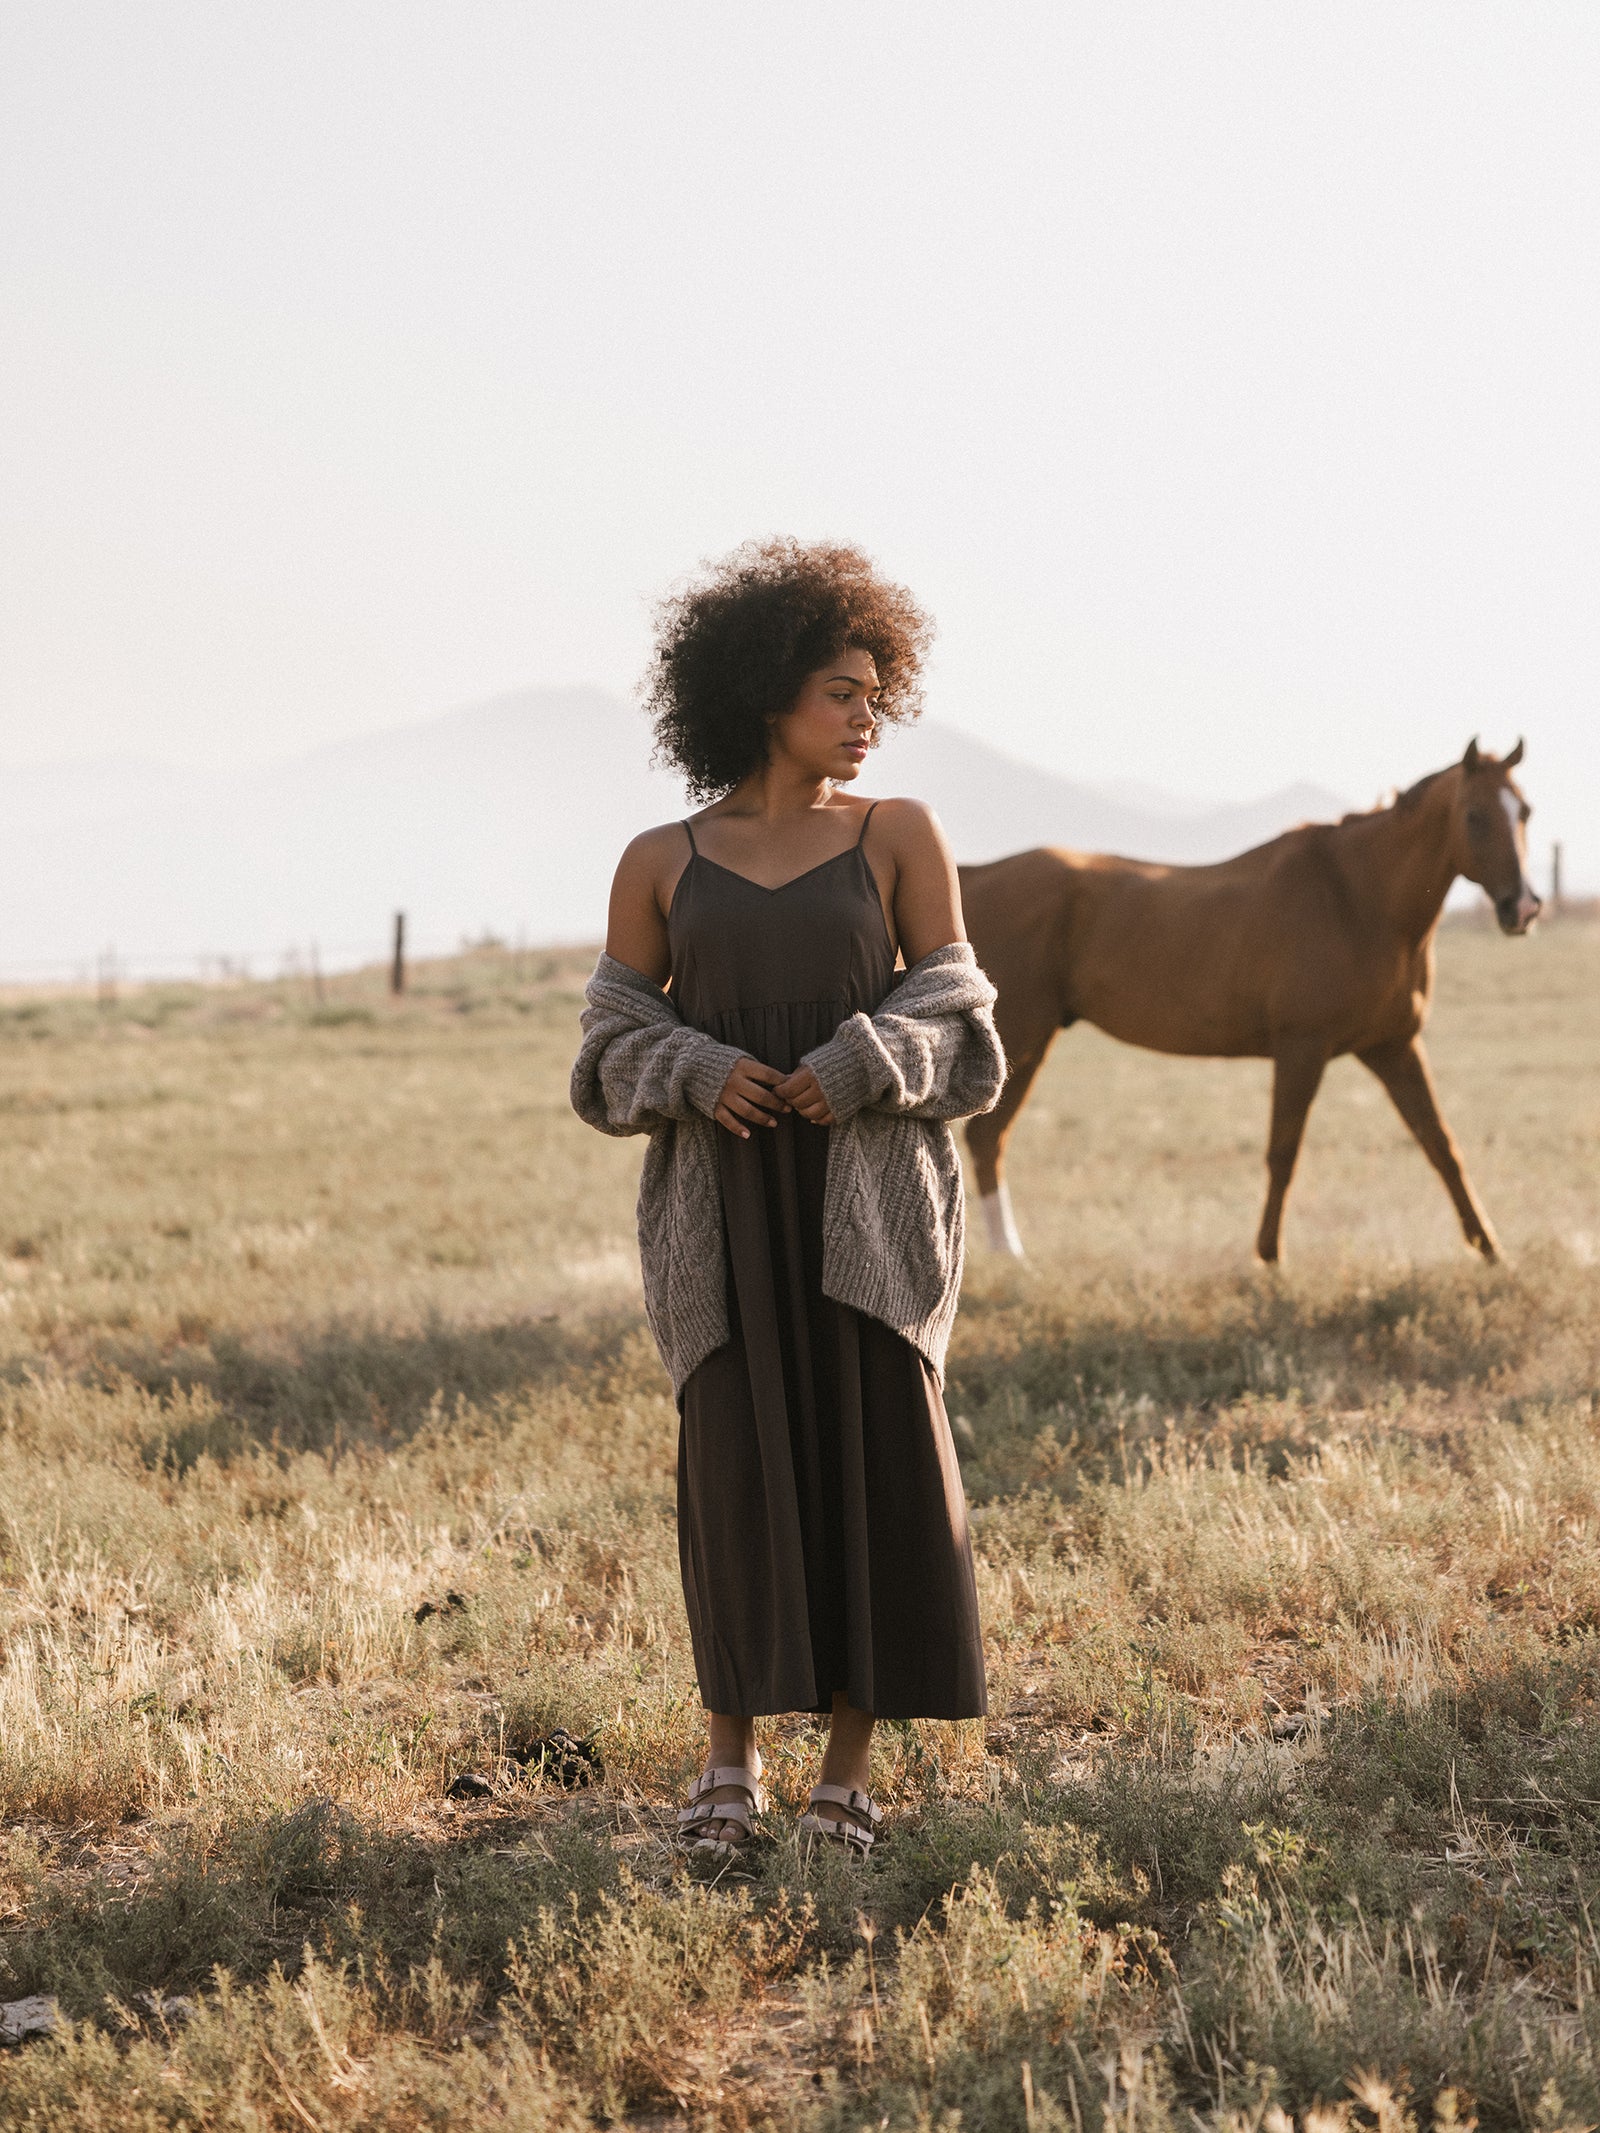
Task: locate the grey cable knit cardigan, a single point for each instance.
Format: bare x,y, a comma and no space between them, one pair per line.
894,1209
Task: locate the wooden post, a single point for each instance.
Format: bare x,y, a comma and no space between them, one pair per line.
397,973
1555,877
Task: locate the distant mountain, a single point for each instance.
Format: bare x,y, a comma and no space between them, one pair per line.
991,804
507,816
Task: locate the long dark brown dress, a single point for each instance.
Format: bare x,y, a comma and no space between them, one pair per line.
822,1530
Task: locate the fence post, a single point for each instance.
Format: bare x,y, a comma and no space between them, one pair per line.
397,972
1555,877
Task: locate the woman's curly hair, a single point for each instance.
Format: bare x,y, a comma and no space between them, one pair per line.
735,645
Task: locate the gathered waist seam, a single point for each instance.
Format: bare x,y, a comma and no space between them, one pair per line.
775,1007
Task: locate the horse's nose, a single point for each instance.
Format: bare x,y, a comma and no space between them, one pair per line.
1518,911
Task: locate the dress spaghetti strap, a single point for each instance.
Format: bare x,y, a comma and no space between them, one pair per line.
866,818
694,849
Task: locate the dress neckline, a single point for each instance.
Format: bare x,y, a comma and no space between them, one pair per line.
777,888
851,851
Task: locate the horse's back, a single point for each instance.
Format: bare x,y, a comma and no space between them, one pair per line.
1195,959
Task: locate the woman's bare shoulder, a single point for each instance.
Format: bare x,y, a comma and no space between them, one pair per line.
647,851
911,823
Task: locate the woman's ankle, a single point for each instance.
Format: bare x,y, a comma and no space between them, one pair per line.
731,1744
847,1757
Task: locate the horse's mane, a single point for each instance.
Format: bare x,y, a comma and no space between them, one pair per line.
1413,793
1401,801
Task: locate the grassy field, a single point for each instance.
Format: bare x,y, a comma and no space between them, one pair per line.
334,1463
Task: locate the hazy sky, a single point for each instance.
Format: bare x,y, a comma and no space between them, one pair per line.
1223,376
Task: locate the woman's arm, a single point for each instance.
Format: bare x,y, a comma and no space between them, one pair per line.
926,902
636,931
927,890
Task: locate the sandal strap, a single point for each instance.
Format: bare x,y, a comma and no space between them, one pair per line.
860,1804
730,1774
849,1834
736,1811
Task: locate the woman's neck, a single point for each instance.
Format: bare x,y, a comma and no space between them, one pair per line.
778,792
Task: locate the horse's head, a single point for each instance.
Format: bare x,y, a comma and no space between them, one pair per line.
1492,836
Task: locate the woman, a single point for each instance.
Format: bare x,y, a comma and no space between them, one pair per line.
801,1204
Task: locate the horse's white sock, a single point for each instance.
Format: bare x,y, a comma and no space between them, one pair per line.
1000,1222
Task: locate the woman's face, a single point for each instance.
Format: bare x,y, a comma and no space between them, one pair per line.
827,732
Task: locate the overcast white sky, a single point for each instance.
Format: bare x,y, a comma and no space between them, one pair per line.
1224,376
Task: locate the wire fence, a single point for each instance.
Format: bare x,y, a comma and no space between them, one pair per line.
112,965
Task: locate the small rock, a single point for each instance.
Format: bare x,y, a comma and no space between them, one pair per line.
176,2008
36,2016
470,1785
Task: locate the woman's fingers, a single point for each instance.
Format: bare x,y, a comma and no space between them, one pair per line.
757,1095
758,1113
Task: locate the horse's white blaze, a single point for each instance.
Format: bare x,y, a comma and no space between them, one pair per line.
1000,1222
1527,902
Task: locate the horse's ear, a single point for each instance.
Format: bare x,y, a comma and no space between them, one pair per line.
1513,759
1469,762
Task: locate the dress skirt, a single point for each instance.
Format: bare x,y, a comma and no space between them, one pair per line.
822,1528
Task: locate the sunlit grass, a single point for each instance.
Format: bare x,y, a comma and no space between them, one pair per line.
334,1462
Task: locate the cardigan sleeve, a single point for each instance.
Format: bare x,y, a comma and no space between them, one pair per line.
640,1065
931,1050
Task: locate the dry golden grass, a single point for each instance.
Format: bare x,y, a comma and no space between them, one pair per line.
312,1315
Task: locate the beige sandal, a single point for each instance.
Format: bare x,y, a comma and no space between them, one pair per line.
858,1835
702,1809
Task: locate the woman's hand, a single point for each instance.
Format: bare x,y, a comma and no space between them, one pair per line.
802,1092
750,1092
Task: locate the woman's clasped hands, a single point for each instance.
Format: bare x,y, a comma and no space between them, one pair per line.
757,1095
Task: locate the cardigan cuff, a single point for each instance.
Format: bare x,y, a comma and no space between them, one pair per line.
706,1072
850,1068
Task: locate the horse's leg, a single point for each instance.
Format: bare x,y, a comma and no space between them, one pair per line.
1296,1077
1402,1067
988,1133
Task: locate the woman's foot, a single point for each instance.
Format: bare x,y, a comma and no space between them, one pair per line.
723,1803
843,1815
731,1779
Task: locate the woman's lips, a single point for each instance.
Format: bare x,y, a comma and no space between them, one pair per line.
856,748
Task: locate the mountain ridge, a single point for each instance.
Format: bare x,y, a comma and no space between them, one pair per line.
505,815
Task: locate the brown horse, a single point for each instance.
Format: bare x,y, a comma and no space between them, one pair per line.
1316,944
